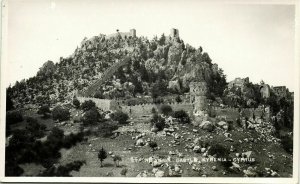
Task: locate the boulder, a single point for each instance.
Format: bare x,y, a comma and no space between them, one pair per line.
207,125
247,154
214,168
250,172
140,142
235,167
227,134
177,168
177,136
223,125
154,129
159,173
156,163
197,149
203,150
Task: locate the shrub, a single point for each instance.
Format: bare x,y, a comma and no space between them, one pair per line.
158,122
76,103
92,116
124,172
87,105
119,116
44,110
99,95
117,160
12,169
219,150
35,128
182,116
287,143
152,145
106,129
63,170
13,117
153,110
72,139
178,99
166,109
60,113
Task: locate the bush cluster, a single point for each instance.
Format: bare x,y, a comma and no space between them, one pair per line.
119,116
60,113
182,116
13,117
158,122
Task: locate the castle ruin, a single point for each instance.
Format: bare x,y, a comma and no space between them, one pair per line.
174,33
131,33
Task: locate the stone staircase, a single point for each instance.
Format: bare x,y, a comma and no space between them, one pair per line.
91,90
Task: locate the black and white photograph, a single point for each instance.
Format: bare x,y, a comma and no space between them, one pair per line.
133,89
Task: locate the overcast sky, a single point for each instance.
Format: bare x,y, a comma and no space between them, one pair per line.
244,40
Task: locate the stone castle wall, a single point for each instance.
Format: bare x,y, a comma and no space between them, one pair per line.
233,113
103,104
146,109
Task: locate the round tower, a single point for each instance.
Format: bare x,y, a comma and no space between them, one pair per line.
198,92
133,32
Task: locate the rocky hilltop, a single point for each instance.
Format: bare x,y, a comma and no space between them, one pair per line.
166,65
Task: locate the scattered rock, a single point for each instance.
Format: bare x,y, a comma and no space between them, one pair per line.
250,172
203,150
247,154
140,142
159,173
214,168
227,134
207,125
223,125
197,149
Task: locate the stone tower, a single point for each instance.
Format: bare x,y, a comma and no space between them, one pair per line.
133,32
174,33
198,92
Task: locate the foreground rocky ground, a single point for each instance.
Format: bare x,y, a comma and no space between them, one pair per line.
182,150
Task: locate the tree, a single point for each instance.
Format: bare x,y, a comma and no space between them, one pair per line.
120,116
91,116
87,105
158,122
76,103
166,109
162,39
152,145
13,117
44,110
182,116
60,113
178,99
102,155
117,160
9,103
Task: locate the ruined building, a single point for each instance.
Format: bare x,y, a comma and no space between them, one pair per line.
131,33
238,82
198,91
265,91
174,33
280,91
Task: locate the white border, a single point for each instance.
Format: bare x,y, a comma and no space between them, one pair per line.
294,179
